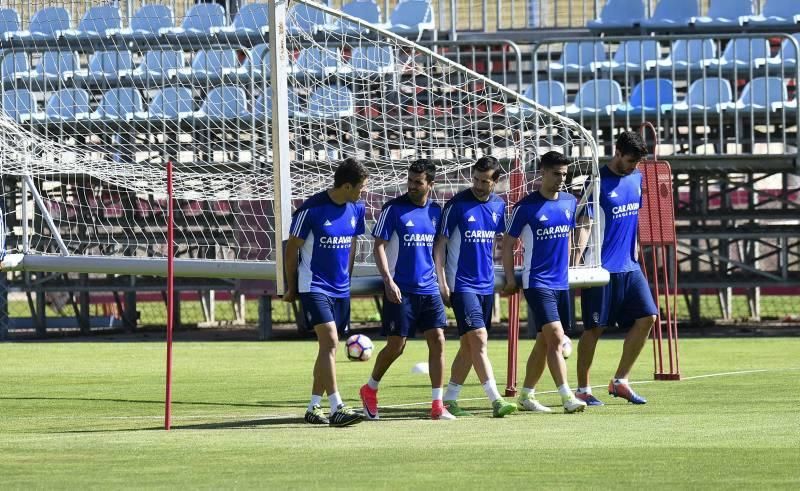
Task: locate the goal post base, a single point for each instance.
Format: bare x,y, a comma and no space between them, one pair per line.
667,376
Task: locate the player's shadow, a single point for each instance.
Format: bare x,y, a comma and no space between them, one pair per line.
260,404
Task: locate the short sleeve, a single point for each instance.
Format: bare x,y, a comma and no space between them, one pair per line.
574,209
301,223
361,211
449,220
517,222
384,227
501,220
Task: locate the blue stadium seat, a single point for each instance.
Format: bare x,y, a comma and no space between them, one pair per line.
690,54
14,65
619,14
252,18
373,60
258,61
210,65
331,102
633,56
119,103
202,18
263,105
763,94
9,22
579,57
100,20
366,10
67,105
151,19
778,13
786,56
57,66
650,96
412,17
601,96
226,102
706,95
160,65
106,67
726,13
19,105
672,13
305,19
171,103
549,93
320,62
741,53
47,23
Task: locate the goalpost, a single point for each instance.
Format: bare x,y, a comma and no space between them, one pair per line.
255,118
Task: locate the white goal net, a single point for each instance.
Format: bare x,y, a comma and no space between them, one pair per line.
95,105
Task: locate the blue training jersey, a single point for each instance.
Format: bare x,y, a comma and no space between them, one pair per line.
410,230
470,226
618,219
328,230
544,226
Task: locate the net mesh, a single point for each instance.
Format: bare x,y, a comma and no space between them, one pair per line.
93,109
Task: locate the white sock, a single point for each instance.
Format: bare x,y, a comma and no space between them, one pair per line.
373,384
315,401
335,400
436,394
529,390
452,392
490,387
564,391
584,390
620,381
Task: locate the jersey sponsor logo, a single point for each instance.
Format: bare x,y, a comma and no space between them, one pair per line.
335,241
471,218
327,223
553,232
543,218
409,223
613,194
479,236
625,210
418,240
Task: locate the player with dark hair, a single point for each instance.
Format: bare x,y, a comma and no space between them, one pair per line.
319,259
626,300
544,220
464,254
404,236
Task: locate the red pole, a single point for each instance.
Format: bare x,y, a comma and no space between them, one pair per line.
515,194
170,297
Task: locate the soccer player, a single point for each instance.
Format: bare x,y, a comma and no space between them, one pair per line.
319,259
626,300
404,236
464,253
544,221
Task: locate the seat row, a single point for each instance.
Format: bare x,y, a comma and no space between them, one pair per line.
672,14
684,54
411,16
652,96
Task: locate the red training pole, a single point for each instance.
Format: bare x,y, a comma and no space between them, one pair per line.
515,194
170,297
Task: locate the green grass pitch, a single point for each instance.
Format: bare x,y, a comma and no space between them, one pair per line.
89,414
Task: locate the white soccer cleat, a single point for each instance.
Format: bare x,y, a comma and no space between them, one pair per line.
532,405
574,405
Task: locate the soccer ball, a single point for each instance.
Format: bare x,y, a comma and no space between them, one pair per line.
359,347
566,347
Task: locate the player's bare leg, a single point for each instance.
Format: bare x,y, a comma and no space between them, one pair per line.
586,348
634,342
328,340
369,391
459,369
435,340
477,340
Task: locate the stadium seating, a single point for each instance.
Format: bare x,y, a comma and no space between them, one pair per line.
106,68
763,94
372,60
726,13
263,105
619,14
159,65
741,54
320,62
550,93
707,95
650,96
580,57
252,18
19,104
14,65
305,19
9,22
690,54
209,66
633,56
672,13
202,18
46,23
787,57
331,102
66,105
222,103
412,17
151,19
366,10
100,20
119,103
777,13
171,103
598,96
56,66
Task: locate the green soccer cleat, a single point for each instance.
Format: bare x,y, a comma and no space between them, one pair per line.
501,408
316,416
455,410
